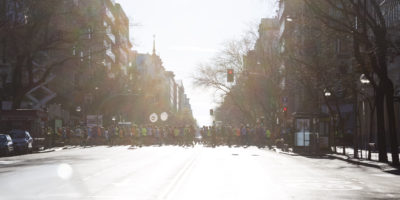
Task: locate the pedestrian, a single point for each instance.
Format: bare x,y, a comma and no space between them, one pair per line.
133,135
260,136
144,135
213,136
268,138
243,135
107,136
176,135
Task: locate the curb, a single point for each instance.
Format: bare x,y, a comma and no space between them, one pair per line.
353,161
56,149
373,164
377,165
50,150
45,151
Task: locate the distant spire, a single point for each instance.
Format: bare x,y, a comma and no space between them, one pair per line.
154,45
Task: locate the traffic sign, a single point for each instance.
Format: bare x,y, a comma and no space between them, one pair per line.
153,117
164,116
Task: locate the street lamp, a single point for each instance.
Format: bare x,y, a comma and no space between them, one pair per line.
327,93
364,80
113,118
78,109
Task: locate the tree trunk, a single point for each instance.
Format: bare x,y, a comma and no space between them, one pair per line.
333,129
371,123
341,131
379,101
392,122
355,129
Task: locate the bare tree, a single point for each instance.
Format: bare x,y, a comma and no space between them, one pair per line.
365,23
213,74
255,92
38,42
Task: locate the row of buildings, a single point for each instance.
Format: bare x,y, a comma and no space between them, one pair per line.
316,74
74,59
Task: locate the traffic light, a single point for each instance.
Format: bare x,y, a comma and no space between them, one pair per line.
211,112
285,111
230,75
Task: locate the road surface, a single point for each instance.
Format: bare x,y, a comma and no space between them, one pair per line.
179,173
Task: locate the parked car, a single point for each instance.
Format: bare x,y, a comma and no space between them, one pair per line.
22,141
6,145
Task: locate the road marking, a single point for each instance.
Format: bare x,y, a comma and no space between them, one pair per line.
177,181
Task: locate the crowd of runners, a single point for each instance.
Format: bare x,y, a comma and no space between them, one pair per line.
258,135
147,135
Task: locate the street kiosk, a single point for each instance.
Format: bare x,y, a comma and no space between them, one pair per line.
311,132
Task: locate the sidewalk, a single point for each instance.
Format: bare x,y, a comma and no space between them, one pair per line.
56,149
362,154
362,160
349,157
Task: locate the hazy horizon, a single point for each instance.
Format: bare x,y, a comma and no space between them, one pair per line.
191,33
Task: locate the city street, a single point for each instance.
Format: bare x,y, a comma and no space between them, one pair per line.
176,173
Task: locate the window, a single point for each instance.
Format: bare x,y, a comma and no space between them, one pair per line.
90,54
81,56
74,50
338,46
90,33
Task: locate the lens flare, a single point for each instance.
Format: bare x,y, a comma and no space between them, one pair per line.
64,171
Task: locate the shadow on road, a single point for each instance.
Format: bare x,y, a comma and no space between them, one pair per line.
394,172
311,156
44,161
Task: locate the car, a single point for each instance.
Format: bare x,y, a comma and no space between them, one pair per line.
22,141
6,145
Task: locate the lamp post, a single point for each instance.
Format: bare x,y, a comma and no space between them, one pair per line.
78,109
364,82
327,94
113,119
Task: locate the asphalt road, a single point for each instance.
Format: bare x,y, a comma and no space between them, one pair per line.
179,173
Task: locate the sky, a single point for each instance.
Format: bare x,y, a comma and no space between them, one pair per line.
189,32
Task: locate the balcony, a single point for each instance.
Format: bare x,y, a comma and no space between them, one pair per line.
109,15
110,35
110,55
123,56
